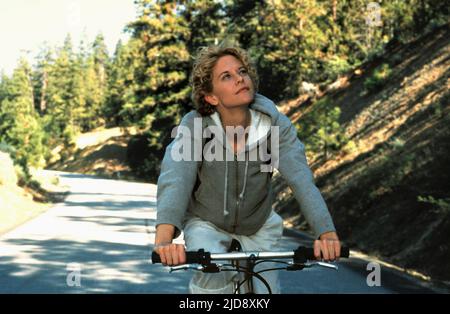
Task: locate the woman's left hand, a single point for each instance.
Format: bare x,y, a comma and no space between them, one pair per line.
328,247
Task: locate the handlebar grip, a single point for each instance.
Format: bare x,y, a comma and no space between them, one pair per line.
345,252
155,258
192,257
302,254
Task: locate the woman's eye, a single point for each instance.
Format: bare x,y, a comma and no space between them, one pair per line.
243,71
226,76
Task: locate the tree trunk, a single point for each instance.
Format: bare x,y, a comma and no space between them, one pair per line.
334,4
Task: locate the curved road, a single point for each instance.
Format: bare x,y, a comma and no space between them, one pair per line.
99,240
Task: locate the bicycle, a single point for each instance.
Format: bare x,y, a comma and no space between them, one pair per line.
301,258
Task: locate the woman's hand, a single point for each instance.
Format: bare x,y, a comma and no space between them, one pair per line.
171,254
328,247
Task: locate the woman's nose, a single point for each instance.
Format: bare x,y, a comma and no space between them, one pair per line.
240,78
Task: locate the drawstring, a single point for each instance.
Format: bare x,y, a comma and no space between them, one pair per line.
241,196
225,211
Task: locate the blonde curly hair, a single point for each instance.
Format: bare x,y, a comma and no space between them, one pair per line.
202,73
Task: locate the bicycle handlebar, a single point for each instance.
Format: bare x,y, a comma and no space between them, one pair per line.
300,255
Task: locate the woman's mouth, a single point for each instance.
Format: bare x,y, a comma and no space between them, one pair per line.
243,89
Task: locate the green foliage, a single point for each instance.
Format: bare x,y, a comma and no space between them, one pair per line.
207,23
404,19
19,124
320,129
396,143
161,92
349,147
23,175
118,106
439,105
379,77
285,39
441,205
145,83
336,66
93,81
70,88
391,171
137,151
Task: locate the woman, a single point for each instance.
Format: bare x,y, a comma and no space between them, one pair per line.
216,201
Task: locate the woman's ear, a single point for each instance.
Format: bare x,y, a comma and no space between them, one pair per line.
212,100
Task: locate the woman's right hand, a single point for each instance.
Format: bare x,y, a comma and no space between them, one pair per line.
171,254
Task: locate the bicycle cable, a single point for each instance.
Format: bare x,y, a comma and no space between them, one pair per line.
257,275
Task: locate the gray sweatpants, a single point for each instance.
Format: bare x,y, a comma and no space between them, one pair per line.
200,234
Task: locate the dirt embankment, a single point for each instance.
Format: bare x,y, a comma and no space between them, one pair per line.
390,197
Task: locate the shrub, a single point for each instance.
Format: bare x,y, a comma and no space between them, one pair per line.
441,205
379,77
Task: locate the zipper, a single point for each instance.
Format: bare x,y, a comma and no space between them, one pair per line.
237,196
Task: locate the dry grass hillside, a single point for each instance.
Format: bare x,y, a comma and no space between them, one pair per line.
389,196
19,204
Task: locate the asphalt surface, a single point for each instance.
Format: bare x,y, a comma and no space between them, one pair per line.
100,238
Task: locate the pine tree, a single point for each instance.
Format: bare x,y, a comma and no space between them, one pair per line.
63,96
3,83
207,23
92,80
99,67
19,122
101,60
78,98
284,39
320,129
44,63
119,84
162,93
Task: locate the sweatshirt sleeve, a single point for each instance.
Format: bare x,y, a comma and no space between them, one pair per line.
294,168
177,176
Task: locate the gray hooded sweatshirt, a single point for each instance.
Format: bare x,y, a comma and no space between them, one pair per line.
233,193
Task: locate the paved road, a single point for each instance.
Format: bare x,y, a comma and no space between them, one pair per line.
103,232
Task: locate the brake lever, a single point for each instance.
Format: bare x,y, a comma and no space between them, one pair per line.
210,268
185,267
322,264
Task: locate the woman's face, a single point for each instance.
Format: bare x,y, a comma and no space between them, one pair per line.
232,85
